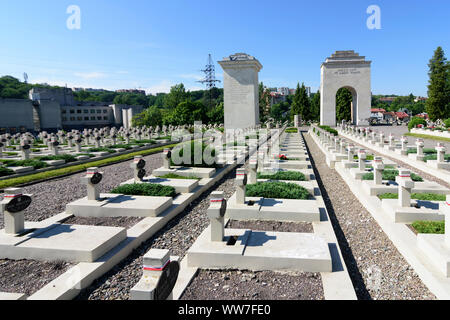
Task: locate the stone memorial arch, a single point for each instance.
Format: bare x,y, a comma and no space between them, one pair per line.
345,69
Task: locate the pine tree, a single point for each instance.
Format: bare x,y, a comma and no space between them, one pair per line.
315,106
295,108
438,103
343,104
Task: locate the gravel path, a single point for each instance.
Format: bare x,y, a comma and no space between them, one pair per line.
51,197
125,222
246,285
28,276
378,271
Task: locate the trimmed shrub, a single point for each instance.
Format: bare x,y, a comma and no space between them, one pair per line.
276,189
416,196
447,123
101,150
282,175
5,172
36,164
145,189
120,146
390,175
415,121
291,130
329,129
66,157
144,141
437,227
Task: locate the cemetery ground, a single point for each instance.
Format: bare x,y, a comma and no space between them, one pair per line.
376,268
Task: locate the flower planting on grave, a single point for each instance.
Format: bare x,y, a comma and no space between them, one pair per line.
121,146
200,155
415,121
282,157
282,175
416,196
390,175
145,189
368,157
277,189
291,130
144,141
436,227
329,129
101,150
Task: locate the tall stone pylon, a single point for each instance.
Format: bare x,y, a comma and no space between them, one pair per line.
241,94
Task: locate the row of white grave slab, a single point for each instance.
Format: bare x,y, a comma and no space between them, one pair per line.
219,247
428,254
96,249
399,149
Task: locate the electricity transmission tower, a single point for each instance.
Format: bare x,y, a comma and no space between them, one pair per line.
210,77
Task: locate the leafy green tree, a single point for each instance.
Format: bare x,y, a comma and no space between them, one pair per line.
177,95
216,115
343,104
438,103
149,117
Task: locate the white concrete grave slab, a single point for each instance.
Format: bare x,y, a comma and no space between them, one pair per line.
119,205
186,171
180,185
259,250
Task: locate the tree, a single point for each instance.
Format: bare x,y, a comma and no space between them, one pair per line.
438,103
264,102
315,106
216,115
177,95
149,117
301,104
343,104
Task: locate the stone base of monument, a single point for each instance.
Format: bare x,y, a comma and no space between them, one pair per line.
439,165
180,185
433,246
120,149
186,171
428,211
82,157
55,162
100,154
273,209
339,157
75,243
257,250
21,169
118,205
358,174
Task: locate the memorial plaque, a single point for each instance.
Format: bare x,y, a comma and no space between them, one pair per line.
55,143
141,173
18,204
140,164
96,178
26,147
167,281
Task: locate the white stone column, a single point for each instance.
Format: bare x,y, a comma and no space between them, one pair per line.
14,221
405,185
241,181
362,159
446,212
440,152
253,168
166,155
216,213
420,144
378,168
91,180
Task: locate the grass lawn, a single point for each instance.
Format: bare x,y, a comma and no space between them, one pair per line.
437,227
416,196
425,136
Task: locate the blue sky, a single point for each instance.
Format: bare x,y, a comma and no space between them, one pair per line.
154,44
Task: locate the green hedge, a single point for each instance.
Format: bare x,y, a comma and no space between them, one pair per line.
390,175
416,121
102,149
329,129
291,130
145,189
416,196
276,189
282,175
437,227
